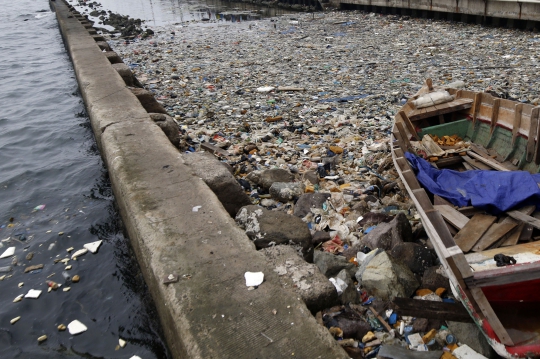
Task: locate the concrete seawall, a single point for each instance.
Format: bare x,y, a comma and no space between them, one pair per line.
206,311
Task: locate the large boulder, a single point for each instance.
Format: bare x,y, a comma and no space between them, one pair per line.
147,100
216,175
386,277
330,265
384,236
468,333
433,279
266,178
308,201
286,191
267,228
169,126
418,258
304,279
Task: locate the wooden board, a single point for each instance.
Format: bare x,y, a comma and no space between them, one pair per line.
432,310
522,217
431,111
448,161
488,161
495,113
476,106
476,164
408,124
452,216
469,235
437,200
532,133
518,110
492,235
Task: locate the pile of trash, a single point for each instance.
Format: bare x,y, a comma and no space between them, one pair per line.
300,111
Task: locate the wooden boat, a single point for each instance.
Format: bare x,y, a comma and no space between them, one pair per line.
501,136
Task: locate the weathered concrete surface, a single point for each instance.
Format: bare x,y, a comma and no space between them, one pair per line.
208,313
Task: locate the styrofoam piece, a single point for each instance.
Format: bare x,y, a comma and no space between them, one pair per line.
33,293
8,252
93,246
254,279
76,327
466,352
79,253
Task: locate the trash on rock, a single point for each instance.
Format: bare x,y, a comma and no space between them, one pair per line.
76,327
254,279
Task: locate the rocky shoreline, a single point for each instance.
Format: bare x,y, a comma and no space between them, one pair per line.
299,111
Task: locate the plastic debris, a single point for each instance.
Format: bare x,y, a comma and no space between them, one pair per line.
76,327
254,279
79,253
93,246
8,252
33,293
15,320
196,208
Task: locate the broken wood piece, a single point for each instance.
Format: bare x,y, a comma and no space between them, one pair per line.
488,161
532,133
471,233
477,165
518,109
522,217
432,310
431,147
438,200
290,88
492,235
512,237
452,216
383,322
408,124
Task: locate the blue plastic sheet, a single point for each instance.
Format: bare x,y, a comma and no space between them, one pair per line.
492,191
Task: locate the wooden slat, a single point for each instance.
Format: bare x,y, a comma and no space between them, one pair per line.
519,272
468,167
411,179
495,113
438,201
476,106
492,235
432,310
399,139
476,164
431,111
469,211
475,228
452,216
490,162
438,222
408,124
404,138
518,110
537,148
513,236
491,317
532,133
522,217
448,161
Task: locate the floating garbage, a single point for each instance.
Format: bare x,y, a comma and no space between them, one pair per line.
8,252
33,293
93,246
76,327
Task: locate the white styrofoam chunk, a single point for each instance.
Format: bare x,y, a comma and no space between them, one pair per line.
76,327
93,246
79,253
8,252
254,279
33,293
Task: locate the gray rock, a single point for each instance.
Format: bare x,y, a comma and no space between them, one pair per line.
312,177
169,127
320,237
330,265
365,263
349,295
267,228
468,333
374,218
385,236
386,277
266,178
415,256
304,279
286,191
113,57
216,175
147,100
103,45
432,279
125,72
353,328
308,201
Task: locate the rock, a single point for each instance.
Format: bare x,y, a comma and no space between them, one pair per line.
147,100
286,191
415,256
217,176
168,126
320,237
432,279
113,57
266,178
312,177
125,72
386,278
374,218
76,327
304,279
330,265
350,295
469,334
308,201
267,228
356,328
364,264
385,236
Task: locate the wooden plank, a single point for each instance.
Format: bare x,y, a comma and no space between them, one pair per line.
518,110
404,137
448,161
452,216
492,235
519,272
532,133
513,236
408,124
490,162
476,106
442,230
475,228
437,200
522,217
467,166
495,113
537,148
491,317
469,211
432,310
476,164
399,139
411,180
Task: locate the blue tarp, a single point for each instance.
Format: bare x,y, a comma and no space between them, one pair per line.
492,191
